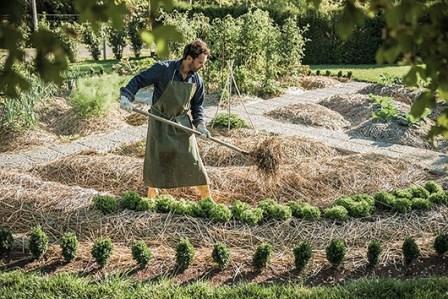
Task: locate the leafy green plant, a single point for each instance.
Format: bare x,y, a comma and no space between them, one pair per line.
184,254
339,74
6,240
262,256
336,251
327,73
164,203
238,207
438,198
252,216
411,251
130,200
273,210
356,206
92,40
138,21
419,192
386,108
349,74
433,187
222,120
388,79
402,205
221,255
302,254
38,243
69,246
421,204
336,213
373,252
141,253
304,210
105,203
441,244
318,73
117,41
183,207
204,207
220,213
384,200
102,250
145,204
403,193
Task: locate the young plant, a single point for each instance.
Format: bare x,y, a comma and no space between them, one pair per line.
336,213
411,251
69,246
38,244
386,108
262,256
105,203
204,207
302,254
238,207
433,187
384,200
339,74
402,205
130,200
221,255
318,73
141,253
438,198
145,204
349,74
421,204
223,120
419,192
252,216
6,240
273,210
304,210
336,251
327,73
403,193
164,203
441,244
356,206
220,213
183,207
102,250
373,253
184,254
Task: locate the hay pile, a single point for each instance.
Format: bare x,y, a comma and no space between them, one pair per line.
315,82
311,115
318,181
355,108
400,93
136,119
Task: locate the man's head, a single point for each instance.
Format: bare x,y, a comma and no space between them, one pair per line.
195,55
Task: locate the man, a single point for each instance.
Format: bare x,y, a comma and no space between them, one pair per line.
171,155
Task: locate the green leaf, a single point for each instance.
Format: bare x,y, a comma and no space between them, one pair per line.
161,35
410,78
351,16
425,100
96,12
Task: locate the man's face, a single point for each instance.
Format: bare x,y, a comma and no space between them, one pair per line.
198,63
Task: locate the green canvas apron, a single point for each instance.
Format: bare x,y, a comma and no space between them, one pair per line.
171,155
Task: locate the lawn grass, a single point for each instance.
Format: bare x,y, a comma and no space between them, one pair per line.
18,284
364,72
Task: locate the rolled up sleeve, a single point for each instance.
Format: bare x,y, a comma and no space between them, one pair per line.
197,110
145,78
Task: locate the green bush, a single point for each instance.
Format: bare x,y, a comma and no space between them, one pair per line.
441,244
220,213
69,246
92,40
238,207
273,210
373,252
222,120
252,216
336,251
356,206
384,199
141,253
318,73
327,73
402,205
419,192
262,256
164,203
102,250
421,204
349,74
38,244
221,255
105,203
183,207
302,254
137,21
403,193
117,41
336,213
411,251
339,74
304,210
438,198
6,240
204,206
433,187
184,254
130,200
145,204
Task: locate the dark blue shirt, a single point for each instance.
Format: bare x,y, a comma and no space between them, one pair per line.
159,75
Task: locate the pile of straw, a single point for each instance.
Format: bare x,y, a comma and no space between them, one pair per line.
355,108
315,82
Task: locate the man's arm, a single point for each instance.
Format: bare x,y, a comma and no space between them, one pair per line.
145,78
197,111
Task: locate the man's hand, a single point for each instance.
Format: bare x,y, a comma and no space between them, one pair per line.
203,130
125,104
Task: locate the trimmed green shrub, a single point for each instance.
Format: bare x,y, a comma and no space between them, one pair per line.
69,246
252,216
273,210
336,251
130,200
184,254
327,73
318,73
384,199
238,207
421,204
141,253
360,206
304,210
221,255
433,187
403,193
105,203
222,121
102,250
441,244
373,253
364,198
419,192
302,254
204,207
349,74
183,207
38,244
339,74
438,198
164,203
262,256
6,240
411,251
220,213
402,205
336,213
145,204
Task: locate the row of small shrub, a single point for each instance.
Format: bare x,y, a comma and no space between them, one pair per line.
102,250
339,74
356,206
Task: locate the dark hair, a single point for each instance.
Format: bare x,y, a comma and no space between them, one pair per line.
195,49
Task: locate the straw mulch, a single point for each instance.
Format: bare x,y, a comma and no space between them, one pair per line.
315,82
400,93
355,108
311,115
319,181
